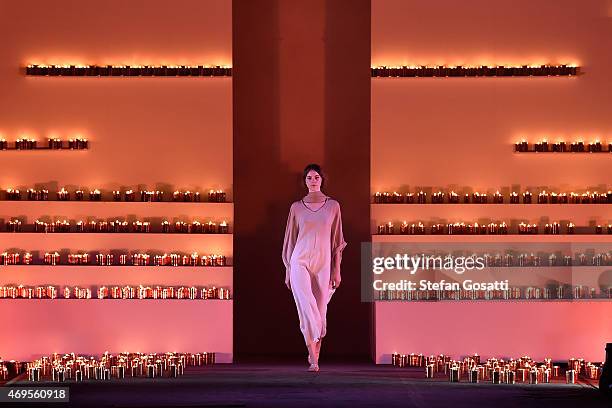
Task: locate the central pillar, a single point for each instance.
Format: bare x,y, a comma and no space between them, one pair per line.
301,95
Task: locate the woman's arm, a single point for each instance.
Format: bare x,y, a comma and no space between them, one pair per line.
291,233
337,244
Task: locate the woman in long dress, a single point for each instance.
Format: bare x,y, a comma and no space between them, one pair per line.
312,252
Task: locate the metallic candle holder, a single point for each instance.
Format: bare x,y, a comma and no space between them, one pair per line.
429,371
454,374
474,375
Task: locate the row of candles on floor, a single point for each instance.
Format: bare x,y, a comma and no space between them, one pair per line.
53,143
128,71
498,371
551,292
563,147
218,196
543,197
135,259
474,71
113,292
75,367
461,228
118,226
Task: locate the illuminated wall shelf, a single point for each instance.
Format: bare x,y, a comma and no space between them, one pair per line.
75,210
540,207
482,71
577,238
127,71
80,326
563,147
93,275
117,233
203,244
13,149
87,200
607,151
579,214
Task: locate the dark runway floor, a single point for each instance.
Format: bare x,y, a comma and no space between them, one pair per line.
336,385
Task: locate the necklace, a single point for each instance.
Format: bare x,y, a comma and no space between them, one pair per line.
317,208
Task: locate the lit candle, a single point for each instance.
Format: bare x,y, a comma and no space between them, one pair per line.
526,197
421,197
223,227
95,195
498,198
63,195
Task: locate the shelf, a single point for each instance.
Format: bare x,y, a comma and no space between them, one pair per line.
504,205
579,214
39,148
203,244
101,71
77,210
537,238
592,277
544,71
93,326
585,152
113,233
94,275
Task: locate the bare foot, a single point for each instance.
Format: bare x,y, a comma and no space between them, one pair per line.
313,358
313,367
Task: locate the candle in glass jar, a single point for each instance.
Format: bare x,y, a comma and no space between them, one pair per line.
63,195
421,197
129,195
223,227
498,198
212,196
95,195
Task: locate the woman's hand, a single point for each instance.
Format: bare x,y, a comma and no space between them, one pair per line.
335,281
287,282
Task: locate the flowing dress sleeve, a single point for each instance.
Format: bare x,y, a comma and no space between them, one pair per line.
337,240
291,233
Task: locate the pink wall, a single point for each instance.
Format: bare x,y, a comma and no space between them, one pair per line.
95,326
557,330
442,132
150,131
457,133
155,133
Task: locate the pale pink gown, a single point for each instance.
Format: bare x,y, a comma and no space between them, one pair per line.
313,240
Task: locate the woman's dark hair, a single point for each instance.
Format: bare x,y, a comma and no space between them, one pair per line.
315,167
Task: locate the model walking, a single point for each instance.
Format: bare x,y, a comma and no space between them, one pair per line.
312,252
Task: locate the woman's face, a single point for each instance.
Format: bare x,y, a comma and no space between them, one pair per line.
313,181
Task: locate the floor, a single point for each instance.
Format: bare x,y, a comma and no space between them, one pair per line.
336,385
